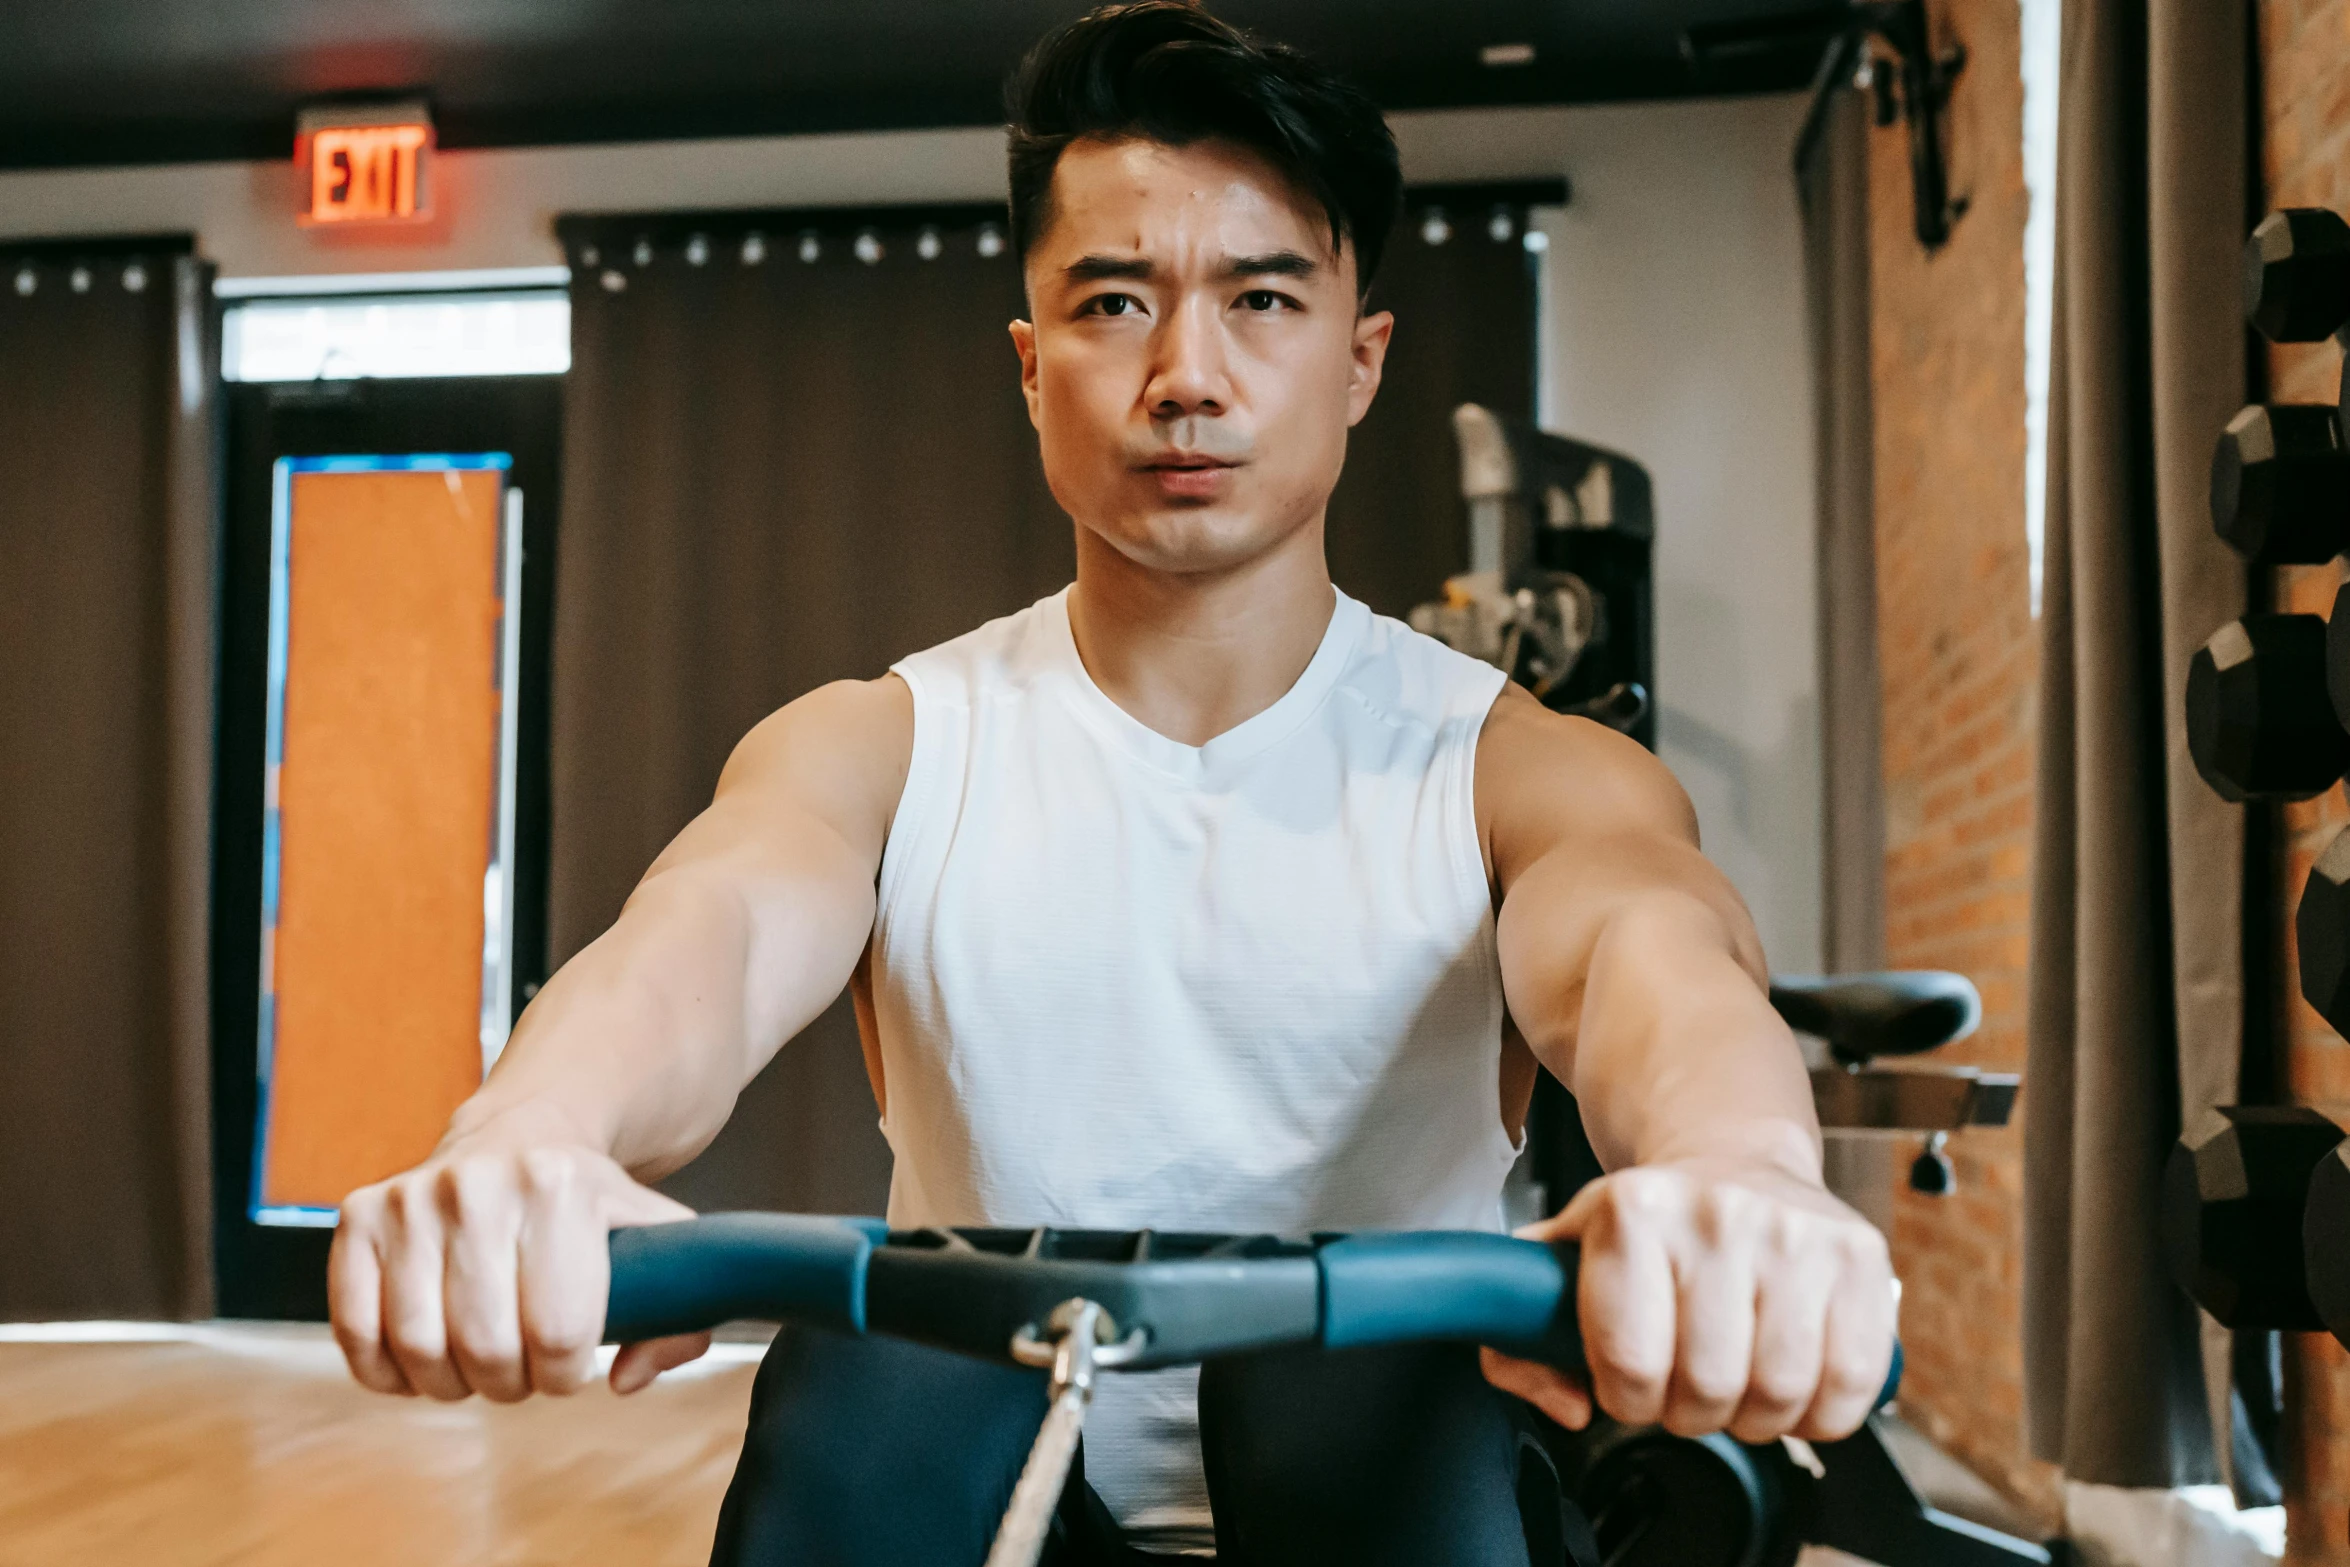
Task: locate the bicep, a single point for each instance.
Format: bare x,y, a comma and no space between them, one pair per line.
1588,832
793,839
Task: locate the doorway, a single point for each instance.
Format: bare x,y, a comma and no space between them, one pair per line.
381,807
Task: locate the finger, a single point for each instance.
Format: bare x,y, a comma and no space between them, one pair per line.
629,1202
415,1330
1790,1330
1627,1302
354,1288
1713,1353
635,1367
482,1222
1857,1347
1556,1393
565,1273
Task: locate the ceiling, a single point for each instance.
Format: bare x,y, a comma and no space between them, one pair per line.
121,81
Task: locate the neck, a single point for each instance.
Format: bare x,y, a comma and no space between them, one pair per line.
1193,654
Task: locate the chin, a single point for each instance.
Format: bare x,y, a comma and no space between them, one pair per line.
1191,539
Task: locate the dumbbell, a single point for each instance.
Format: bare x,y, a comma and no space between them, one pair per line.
2297,275
2321,932
2233,1197
2325,1243
2280,484
2266,703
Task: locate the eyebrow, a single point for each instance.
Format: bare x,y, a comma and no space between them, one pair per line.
1273,263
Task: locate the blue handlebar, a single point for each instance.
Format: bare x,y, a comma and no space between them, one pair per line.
1194,1296
684,1277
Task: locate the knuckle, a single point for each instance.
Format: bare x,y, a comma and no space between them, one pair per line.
362,1210
1632,1367
473,1190
1637,1197
547,1172
407,1200
1781,1387
562,1341
1722,1212
1712,1384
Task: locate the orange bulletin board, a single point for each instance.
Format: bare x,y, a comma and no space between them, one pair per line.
385,754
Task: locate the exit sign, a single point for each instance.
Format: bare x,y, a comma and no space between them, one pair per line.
365,163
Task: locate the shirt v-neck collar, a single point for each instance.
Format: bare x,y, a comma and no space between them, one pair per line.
1243,741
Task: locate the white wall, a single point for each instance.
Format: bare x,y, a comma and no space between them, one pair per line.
1673,330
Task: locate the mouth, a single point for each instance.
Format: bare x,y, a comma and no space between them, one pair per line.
1188,476
1183,462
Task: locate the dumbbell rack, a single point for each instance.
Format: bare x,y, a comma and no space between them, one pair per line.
2256,1202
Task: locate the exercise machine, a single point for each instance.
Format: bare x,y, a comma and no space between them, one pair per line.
1558,595
1081,1303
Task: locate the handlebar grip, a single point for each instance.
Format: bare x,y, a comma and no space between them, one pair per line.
1517,1296
697,1273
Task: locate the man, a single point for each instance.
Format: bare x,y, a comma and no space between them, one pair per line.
1195,897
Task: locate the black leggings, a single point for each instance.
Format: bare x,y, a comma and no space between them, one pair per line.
873,1452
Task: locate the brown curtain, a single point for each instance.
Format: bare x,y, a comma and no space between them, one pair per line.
2137,975
777,472
107,549
781,471
1833,182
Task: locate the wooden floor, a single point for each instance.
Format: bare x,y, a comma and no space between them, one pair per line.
250,1445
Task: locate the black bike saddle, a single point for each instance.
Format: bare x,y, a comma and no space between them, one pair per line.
1866,1015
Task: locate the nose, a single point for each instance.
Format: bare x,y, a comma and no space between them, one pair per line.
1189,372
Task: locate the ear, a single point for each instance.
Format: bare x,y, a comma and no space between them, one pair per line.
1369,363
1024,344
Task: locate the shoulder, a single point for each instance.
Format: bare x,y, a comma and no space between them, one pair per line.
1005,653
1543,778
1405,675
841,753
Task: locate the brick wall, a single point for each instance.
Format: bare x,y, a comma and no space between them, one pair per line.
1960,656
2305,75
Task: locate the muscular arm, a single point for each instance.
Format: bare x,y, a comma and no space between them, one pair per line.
745,928
484,1268
1721,1286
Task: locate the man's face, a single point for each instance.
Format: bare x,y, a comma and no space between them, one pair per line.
1196,355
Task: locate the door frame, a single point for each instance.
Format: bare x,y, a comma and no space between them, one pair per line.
273,1271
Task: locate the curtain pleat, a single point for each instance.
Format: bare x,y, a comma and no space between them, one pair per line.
107,546
2137,984
1834,185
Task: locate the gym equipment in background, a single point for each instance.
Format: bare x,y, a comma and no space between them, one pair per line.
2233,1196
2263,719
2268,697
2256,1198
2280,484
1862,1017
1081,1302
1557,593
2297,275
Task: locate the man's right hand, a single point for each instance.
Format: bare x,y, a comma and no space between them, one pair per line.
485,1270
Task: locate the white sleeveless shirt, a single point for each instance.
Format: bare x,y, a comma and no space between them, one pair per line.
1126,983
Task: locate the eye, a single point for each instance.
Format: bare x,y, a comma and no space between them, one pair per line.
1262,299
1110,305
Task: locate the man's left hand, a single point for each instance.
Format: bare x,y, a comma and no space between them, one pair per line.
1718,1294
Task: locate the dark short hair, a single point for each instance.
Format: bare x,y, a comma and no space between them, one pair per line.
1166,71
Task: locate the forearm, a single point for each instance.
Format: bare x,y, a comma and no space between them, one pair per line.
639,1046
1678,1052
